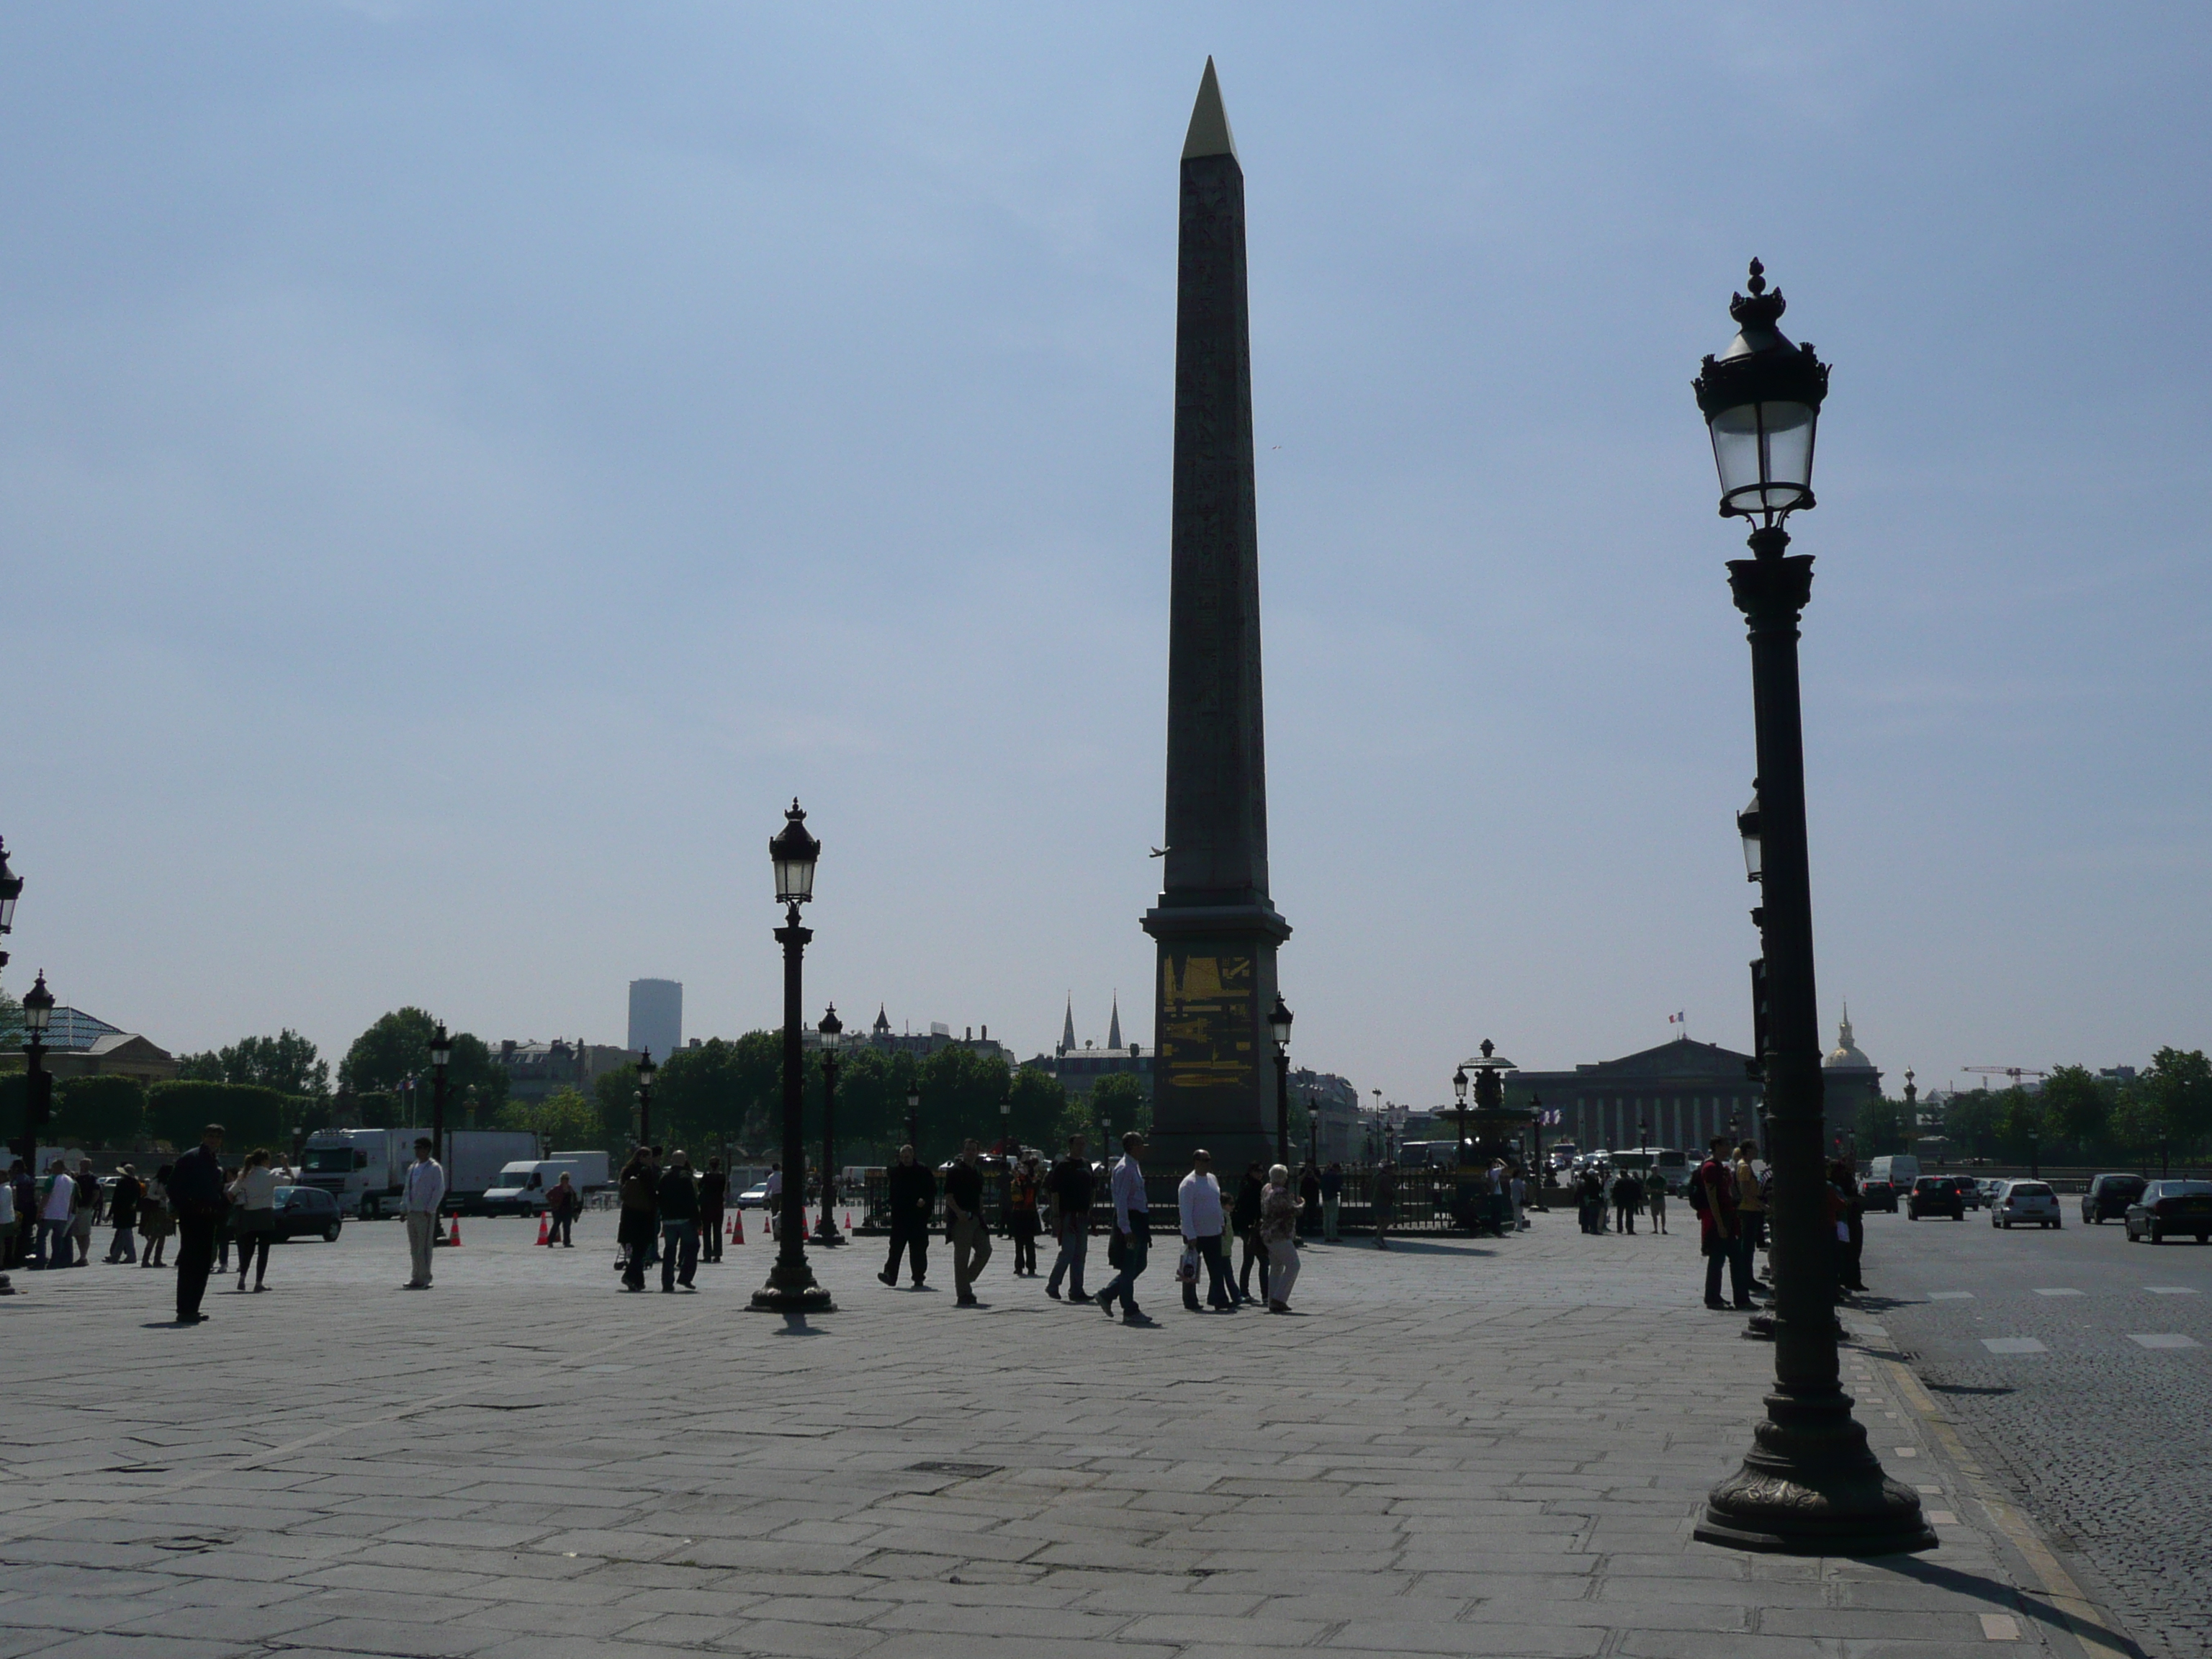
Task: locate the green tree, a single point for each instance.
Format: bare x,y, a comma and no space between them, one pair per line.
2077,1108
565,1119
1121,1099
1878,1127
286,1062
398,1046
1971,1121
99,1111
251,1116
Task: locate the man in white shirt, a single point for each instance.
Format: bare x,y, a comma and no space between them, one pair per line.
772,1200
1133,1232
56,1211
1198,1198
426,1191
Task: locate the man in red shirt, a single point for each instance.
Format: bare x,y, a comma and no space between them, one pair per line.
1714,1195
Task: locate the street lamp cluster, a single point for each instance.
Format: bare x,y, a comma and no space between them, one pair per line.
1811,1484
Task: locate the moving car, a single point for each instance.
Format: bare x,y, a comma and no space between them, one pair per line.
1934,1195
1878,1195
753,1198
308,1213
2109,1195
2025,1201
1970,1190
2164,1207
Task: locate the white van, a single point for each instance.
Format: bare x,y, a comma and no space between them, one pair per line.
1900,1170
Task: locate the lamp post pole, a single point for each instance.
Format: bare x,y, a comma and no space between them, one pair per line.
831,1030
442,1050
1279,1025
1810,1485
790,1287
38,1083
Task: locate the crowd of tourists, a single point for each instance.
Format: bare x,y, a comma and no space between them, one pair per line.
1732,1194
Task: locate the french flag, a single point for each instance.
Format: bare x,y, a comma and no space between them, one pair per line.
1678,1019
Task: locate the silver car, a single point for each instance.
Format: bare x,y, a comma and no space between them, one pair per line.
2025,1201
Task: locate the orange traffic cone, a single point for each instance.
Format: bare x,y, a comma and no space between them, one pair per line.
456,1238
544,1231
849,1221
737,1226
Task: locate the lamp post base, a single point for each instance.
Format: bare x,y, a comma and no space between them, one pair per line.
791,1288
1812,1486
827,1234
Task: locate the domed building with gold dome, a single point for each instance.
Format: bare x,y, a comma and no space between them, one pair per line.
1847,1078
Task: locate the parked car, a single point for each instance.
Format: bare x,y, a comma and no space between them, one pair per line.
1969,1190
1878,1195
308,1213
2109,1196
2164,1207
753,1198
1934,1195
2025,1201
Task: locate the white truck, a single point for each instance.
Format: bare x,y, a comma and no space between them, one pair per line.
523,1185
366,1169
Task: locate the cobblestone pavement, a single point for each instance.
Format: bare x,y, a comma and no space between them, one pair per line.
1458,1448
2100,1412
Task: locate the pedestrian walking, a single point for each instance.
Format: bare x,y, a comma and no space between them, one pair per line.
1589,1193
1245,1217
85,1210
1070,1182
1128,1252
1750,1201
964,1223
254,1195
910,1192
1022,1225
57,1209
1332,1200
562,1205
1197,1197
1655,1200
9,1226
641,1209
23,1210
1850,1217
1516,1189
1279,1222
122,1213
1308,1199
422,1196
195,1186
1386,1201
156,1221
714,1195
1627,1199
772,1199
678,1195
1712,1193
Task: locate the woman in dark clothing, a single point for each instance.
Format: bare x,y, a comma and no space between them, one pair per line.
1245,1217
1022,1214
1308,1199
1850,1216
640,1207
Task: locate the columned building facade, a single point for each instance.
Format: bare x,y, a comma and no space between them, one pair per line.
1678,1095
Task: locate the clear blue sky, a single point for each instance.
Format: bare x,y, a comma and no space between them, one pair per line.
464,468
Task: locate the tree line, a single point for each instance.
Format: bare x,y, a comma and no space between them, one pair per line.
2077,1116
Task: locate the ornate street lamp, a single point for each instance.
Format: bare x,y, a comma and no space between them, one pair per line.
1278,1027
11,888
1811,1485
38,1082
829,1034
441,1052
1459,1095
646,1071
790,1287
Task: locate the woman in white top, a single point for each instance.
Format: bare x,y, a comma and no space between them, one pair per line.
254,1193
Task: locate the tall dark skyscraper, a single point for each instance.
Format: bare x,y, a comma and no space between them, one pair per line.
1214,1076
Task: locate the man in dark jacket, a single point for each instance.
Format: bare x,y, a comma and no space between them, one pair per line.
196,1192
964,1223
679,1224
1070,1182
714,1193
910,1191
640,1207
122,1210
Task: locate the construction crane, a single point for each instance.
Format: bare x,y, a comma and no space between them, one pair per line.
2015,1072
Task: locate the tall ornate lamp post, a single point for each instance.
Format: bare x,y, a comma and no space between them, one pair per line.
1459,1112
441,1053
38,1083
1810,1485
790,1287
1279,1026
646,1071
829,1033
11,888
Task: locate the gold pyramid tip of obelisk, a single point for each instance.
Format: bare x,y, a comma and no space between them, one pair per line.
1209,133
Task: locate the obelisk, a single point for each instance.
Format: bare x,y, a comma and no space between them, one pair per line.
1213,1074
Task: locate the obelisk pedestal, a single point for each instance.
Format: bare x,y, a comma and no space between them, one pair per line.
1213,1075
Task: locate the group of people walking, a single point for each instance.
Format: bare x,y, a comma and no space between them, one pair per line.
1628,1195
46,1222
671,1215
1264,1216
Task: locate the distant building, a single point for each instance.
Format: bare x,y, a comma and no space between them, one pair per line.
1848,1078
1341,1123
1078,1068
534,1069
1680,1094
79,1045
939,1036
656,1016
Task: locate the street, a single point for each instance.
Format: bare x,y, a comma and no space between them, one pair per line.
2082,1366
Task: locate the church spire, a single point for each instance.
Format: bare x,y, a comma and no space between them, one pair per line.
1114,1030
1068,1028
